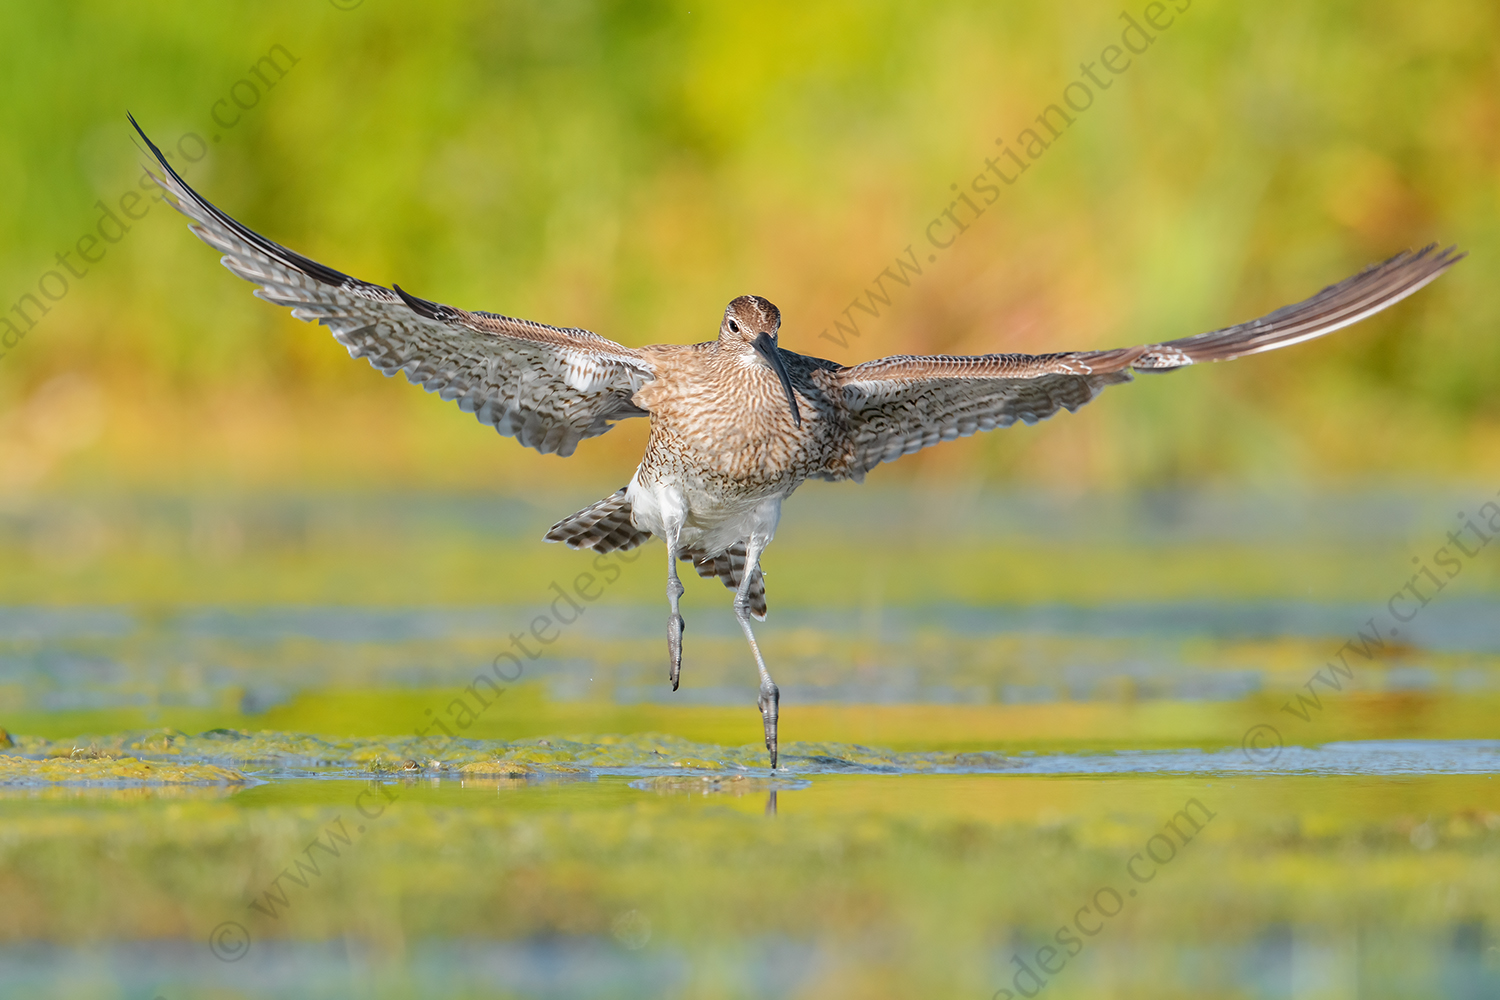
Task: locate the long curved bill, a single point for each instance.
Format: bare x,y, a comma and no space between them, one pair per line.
766,348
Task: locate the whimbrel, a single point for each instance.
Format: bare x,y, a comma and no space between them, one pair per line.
737,423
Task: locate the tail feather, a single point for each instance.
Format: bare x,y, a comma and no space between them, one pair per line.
729,568
604,526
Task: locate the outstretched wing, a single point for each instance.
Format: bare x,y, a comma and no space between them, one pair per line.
545,386
902,404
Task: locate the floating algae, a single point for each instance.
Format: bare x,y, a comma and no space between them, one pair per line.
497,769
111,771
271,754
713,784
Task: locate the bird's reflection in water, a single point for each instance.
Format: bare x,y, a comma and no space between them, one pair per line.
771,803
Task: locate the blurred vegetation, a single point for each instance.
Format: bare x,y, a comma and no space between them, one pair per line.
631,167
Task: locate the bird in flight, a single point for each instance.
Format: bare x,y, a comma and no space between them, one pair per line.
737,423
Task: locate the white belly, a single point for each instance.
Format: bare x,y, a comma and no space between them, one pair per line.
702,522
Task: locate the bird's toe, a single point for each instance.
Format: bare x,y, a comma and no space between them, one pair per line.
770,704
675,627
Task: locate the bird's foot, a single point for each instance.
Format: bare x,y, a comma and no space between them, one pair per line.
770,700
675,627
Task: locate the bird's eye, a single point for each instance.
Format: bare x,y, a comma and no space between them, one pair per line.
734,327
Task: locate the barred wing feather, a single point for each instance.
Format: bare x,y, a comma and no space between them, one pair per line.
546,386
899,405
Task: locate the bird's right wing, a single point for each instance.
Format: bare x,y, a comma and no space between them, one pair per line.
546,386
902,404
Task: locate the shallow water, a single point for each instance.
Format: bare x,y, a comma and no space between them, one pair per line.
845,885
1128,784
267,756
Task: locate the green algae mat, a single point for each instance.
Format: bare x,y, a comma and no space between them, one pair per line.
1212,767
261,863
858,885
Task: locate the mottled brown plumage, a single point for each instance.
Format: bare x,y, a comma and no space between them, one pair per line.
737,424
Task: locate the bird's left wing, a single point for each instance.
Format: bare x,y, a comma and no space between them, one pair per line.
902,404
546,386
899,405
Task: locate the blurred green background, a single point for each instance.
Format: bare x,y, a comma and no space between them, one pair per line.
212,521
631,167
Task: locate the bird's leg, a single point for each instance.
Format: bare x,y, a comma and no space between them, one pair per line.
675,624
770,696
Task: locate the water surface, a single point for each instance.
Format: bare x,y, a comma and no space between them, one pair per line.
1077,748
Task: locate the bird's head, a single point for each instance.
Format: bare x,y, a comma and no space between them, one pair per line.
748,317
750,326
